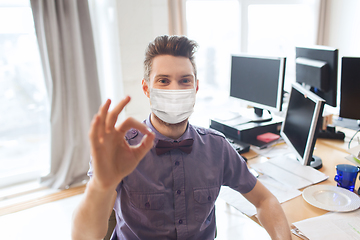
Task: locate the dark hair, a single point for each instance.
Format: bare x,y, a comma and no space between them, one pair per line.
169,45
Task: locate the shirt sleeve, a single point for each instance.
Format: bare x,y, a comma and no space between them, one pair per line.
236,174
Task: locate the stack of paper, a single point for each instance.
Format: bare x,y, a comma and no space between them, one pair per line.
331,226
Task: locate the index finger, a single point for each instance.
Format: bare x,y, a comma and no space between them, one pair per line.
103,111
112,116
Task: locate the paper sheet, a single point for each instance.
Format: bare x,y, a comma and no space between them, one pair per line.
290,172
355,151
235,199
331,226
353,159
282,192
354,156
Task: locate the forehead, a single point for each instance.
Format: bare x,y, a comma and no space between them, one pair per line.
171,65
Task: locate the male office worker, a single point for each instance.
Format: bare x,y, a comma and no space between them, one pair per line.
162,177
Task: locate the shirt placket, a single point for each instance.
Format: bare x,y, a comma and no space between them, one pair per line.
179,194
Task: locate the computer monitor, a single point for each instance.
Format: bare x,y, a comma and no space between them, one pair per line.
301,123
350,88
258,81
317,70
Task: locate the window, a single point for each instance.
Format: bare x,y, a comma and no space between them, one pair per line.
276,29
215,26
24,120
271,27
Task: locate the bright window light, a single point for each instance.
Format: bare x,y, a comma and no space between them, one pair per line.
24,102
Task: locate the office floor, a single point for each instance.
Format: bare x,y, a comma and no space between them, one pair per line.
53,221
47,221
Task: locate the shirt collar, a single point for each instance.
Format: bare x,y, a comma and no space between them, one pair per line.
158,136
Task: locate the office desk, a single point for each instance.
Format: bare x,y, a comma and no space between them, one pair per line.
332,152
342,145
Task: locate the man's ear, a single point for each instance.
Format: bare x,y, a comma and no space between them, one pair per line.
197,85
145,87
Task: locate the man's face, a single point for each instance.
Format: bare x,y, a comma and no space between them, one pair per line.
169,72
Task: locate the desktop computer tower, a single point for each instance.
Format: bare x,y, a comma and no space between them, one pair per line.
247,132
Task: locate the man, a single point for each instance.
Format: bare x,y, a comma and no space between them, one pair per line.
162,177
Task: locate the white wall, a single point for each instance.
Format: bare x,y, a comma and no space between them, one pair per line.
342,29
140,22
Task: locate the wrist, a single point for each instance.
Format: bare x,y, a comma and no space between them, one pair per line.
95,186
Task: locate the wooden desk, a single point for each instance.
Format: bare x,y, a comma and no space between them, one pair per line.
341,145
332,152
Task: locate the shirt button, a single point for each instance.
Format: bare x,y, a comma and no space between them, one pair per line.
178,191
180,221
147,205
209,198
177,163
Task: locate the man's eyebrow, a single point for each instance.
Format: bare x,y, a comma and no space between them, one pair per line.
188,75
167,76
162,75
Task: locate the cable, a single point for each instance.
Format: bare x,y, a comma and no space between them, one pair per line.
353,138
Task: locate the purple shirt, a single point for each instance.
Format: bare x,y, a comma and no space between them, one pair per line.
172,196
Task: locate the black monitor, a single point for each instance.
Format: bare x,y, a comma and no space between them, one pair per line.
317,69
258,81
300,127
350,88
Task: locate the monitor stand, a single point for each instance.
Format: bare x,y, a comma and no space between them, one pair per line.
316,162
259,115
246,115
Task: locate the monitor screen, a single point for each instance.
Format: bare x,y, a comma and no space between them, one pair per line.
350,88
317,69
301,122
258,81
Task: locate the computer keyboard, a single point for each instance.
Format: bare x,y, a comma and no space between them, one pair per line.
239,146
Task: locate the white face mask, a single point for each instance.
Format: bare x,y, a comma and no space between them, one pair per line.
172,106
